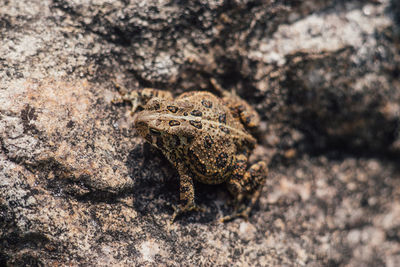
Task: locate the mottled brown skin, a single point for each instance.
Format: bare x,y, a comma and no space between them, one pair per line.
205,138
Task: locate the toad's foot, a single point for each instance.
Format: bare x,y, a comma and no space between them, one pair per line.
180,209
243,214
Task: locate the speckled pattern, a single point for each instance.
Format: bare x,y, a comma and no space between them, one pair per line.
205,138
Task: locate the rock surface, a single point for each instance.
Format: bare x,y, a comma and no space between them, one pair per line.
78,187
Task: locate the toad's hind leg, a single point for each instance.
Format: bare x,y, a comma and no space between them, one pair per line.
186,195
240,109
246,184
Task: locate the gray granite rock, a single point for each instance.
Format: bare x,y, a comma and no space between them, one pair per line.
78,187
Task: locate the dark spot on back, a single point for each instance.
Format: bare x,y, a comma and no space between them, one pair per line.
208,142
154,132
224,129
174,123
196,124
173,109
222,118
196,113
185,113
221,159
206,103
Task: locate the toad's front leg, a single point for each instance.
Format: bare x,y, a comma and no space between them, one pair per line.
186,195
246,184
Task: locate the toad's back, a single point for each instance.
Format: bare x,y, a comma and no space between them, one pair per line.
204,113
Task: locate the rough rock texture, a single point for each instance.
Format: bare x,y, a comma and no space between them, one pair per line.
78,187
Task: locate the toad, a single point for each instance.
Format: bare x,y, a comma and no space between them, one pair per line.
207,138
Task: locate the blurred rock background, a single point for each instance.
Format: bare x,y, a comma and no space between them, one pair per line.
78,187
